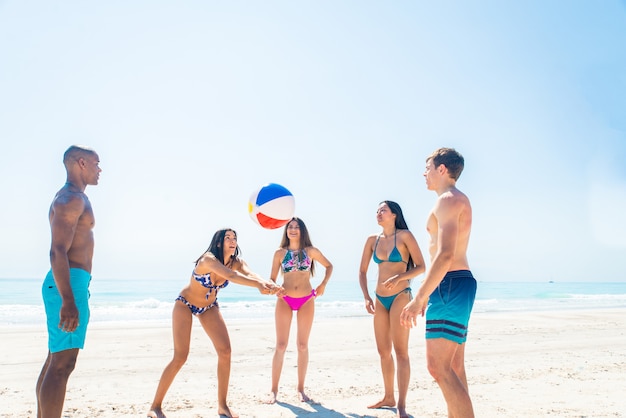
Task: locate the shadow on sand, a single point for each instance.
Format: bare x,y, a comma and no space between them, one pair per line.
325,412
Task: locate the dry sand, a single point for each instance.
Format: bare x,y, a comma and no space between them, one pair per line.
556,364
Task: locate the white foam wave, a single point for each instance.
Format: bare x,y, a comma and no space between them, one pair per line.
151,309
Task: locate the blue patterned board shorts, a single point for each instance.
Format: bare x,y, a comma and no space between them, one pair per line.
59,340
450,305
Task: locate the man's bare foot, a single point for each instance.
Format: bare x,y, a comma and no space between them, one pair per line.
156,413
389,403
271,400
226,412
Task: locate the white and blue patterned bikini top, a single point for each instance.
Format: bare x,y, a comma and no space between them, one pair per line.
205,281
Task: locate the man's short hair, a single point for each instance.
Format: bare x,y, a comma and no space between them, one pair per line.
75,152
451,158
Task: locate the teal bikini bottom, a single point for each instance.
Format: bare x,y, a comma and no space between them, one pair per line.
387,301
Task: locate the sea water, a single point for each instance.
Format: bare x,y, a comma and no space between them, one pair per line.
152,300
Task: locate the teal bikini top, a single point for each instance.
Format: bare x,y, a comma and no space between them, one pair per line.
394,255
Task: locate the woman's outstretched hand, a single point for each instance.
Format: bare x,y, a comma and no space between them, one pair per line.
271,288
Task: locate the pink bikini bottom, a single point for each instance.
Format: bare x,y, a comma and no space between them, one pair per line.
296,303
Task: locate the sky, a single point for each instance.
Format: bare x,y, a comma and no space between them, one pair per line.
193,105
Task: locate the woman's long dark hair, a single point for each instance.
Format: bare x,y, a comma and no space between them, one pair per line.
217,247
399,224
305,239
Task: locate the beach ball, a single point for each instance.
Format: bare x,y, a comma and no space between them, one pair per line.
271,206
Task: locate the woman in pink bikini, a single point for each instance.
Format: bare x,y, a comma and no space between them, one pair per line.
296,259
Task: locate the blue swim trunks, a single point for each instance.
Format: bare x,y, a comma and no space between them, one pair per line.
450,305
59,340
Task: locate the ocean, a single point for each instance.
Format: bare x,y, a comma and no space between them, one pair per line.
152,301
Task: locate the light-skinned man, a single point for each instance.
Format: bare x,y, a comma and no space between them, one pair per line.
447,293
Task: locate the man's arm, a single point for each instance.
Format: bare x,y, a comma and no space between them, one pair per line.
447,211
66,211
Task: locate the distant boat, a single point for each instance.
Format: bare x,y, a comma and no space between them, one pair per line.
550,281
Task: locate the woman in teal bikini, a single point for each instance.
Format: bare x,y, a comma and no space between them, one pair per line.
219,265
296,259
399,259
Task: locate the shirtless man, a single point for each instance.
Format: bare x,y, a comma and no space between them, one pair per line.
448,289
65,289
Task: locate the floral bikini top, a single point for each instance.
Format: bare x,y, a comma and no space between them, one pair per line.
205,281
296,260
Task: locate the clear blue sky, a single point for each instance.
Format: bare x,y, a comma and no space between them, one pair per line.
194,104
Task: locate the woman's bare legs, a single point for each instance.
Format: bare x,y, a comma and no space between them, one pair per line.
215,327
305,323
400,338
283,316
181,331
382,333
390,334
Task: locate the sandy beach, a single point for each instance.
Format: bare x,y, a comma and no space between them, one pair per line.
558,364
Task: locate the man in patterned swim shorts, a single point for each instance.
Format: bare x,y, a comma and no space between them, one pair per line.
448,290
65,289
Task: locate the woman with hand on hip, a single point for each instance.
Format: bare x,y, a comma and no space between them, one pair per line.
216,267
296,259
399,259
